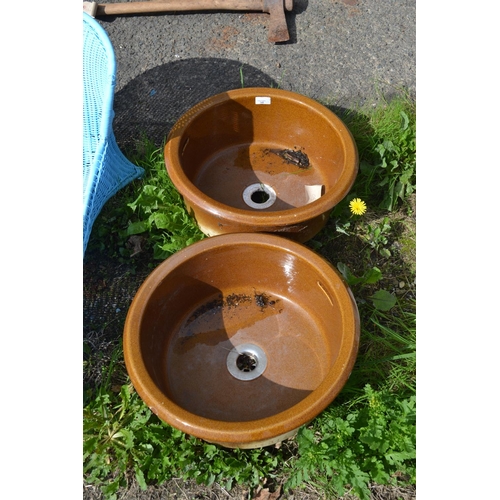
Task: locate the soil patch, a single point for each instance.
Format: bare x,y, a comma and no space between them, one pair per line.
177,489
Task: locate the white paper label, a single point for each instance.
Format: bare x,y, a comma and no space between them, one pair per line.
262,100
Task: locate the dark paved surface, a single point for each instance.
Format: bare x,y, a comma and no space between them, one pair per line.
341,52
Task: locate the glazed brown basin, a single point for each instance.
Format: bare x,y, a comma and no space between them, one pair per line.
261,160
242,338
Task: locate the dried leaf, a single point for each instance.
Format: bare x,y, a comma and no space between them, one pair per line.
265,494
135,243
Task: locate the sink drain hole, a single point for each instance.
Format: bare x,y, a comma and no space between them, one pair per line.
246,362
259,196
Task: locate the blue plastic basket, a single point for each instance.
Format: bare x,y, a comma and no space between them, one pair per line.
105,168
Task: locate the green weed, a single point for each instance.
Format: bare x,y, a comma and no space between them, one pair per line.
122,435
346,452
376,235
152,208
242,79
386,140
387,354
370,276
159,209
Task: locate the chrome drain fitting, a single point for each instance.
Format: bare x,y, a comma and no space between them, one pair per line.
246,362
259,196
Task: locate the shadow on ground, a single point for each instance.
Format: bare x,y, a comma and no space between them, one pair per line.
151,103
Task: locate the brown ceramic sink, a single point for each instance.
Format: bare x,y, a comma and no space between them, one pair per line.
242,338
261,160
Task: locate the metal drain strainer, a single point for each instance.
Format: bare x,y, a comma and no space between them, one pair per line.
246,362
259,196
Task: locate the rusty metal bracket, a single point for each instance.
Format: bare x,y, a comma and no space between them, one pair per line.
278,30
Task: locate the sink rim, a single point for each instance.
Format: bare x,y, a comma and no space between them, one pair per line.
241,434
263,219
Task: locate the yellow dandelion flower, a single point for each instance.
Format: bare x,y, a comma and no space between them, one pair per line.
357,206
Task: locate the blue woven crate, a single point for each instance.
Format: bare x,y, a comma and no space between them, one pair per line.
105,168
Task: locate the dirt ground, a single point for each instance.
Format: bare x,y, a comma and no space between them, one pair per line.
189,490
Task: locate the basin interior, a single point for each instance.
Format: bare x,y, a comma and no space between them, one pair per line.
205,308
293,147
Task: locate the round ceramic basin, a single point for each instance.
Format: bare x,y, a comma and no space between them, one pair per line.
261,160
242,338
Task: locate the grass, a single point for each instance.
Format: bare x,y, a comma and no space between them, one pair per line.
366,437
386,140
